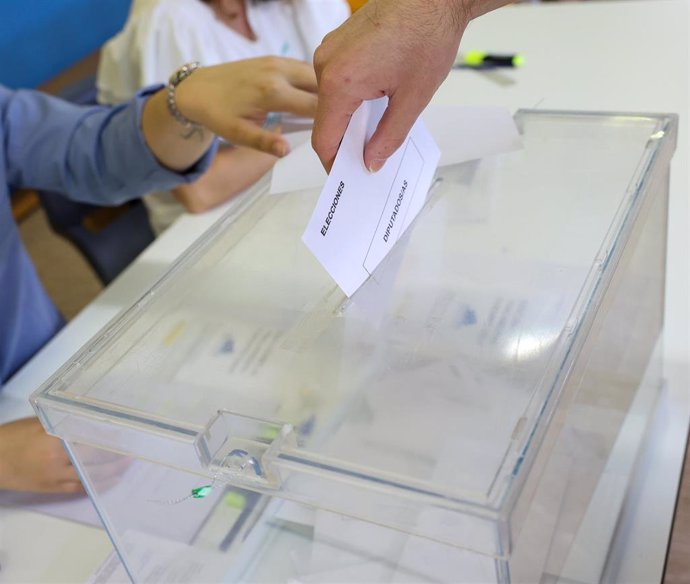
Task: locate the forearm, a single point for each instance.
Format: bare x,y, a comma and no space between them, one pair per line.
173,145
92,154
231,172
464,10
108,155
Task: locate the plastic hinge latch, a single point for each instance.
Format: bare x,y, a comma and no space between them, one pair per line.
241,450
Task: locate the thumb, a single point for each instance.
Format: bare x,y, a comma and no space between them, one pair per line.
391,132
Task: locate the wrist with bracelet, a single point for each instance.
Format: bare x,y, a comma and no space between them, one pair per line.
176,78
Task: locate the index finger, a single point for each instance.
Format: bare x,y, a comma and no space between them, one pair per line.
332,118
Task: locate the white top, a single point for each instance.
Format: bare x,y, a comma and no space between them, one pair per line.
161,35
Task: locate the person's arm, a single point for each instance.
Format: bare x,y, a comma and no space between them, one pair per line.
108,155
231,172
402,49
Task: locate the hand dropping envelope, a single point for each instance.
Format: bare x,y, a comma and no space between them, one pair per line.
359,215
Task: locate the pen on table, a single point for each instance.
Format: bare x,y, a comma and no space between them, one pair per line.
482,60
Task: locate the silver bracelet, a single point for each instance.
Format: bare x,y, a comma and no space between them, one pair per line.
175,79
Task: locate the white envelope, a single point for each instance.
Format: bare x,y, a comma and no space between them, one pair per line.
359,215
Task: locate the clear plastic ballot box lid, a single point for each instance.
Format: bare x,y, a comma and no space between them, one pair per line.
420,402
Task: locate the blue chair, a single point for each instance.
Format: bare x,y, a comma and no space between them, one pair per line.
108,246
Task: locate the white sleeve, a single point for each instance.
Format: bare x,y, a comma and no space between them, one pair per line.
175,40
316,18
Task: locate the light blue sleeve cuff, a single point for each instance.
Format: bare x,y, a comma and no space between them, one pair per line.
112,162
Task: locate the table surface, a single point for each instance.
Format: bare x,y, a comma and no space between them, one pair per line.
627,56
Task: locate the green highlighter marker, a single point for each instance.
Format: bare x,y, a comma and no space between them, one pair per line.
482,60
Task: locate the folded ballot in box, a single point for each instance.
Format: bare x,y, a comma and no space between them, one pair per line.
471,414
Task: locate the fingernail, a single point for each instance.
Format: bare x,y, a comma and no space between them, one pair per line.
280,149
376,164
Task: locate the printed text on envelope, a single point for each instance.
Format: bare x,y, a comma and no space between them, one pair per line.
394,215
359,215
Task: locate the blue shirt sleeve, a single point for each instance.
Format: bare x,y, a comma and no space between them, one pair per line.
93,154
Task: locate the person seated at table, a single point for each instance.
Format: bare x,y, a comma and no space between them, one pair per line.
102,155
159,33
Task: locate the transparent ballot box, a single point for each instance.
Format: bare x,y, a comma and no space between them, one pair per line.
472,414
